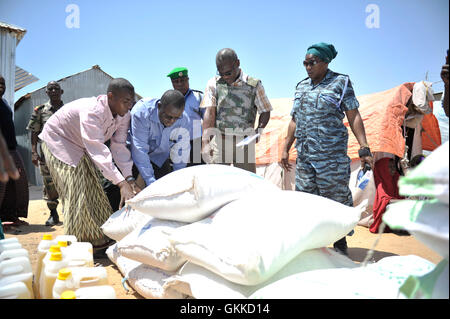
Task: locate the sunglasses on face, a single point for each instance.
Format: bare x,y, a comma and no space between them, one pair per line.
310,63
228,73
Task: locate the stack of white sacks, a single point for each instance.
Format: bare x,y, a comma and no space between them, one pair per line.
426,216
214,231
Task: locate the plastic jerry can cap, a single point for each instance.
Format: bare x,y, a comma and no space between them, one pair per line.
64,273
62,243
54,249
56,256
47,237
68,294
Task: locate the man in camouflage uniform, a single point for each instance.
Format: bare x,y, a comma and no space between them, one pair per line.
232,100
40,115
321,102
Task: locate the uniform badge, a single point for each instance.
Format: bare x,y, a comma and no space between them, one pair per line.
180,74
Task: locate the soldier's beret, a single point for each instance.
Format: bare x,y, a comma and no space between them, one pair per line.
178,73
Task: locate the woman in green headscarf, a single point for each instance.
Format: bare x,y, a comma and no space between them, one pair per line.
324,51
321,102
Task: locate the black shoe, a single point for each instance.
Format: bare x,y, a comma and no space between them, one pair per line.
341,246
53,219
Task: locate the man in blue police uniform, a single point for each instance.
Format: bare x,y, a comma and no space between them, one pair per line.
159,135
193,98
321,102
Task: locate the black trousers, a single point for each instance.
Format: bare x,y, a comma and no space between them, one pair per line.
159,172
195,156
113,191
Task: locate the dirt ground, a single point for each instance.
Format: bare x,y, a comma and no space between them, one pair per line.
359,244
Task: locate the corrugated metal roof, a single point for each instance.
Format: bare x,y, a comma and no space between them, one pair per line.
20,32
21,100
23,78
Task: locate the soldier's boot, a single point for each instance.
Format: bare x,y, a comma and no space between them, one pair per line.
53,219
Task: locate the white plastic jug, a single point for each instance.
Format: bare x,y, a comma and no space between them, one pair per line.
73,278
15,265
7,244
78,254
47,255
50,270
12,253
43,247
95,292
15,290
17,269
9,240
83,245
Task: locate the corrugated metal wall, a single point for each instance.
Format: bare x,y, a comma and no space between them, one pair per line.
89,83
8,43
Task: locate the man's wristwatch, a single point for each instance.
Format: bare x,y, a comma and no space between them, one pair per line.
130,179
364,151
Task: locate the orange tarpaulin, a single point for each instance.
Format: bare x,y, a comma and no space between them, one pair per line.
270,145
383,114
431,134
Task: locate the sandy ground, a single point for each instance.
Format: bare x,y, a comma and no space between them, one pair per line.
359,244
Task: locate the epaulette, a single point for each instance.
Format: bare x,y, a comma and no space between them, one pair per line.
252,81
302,81
336,73
197,91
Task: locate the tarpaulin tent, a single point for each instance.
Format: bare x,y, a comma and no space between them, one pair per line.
383,114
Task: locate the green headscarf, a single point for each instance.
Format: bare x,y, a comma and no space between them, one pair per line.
326,52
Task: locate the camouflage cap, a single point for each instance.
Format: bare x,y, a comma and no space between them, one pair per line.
178,73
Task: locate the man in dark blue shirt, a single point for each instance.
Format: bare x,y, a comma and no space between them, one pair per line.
180,82
159,136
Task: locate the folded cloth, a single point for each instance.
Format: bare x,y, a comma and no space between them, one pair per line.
422,95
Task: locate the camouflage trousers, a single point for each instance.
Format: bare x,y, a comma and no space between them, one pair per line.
328,178
50,193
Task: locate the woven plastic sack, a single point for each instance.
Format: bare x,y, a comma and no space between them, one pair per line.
145,280
201,283
430,178
381,280
123,222
149,244
192,193
426,220
250,239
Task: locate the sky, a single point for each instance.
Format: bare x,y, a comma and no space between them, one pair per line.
381,44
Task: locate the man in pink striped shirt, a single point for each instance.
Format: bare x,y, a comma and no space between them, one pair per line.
73,144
